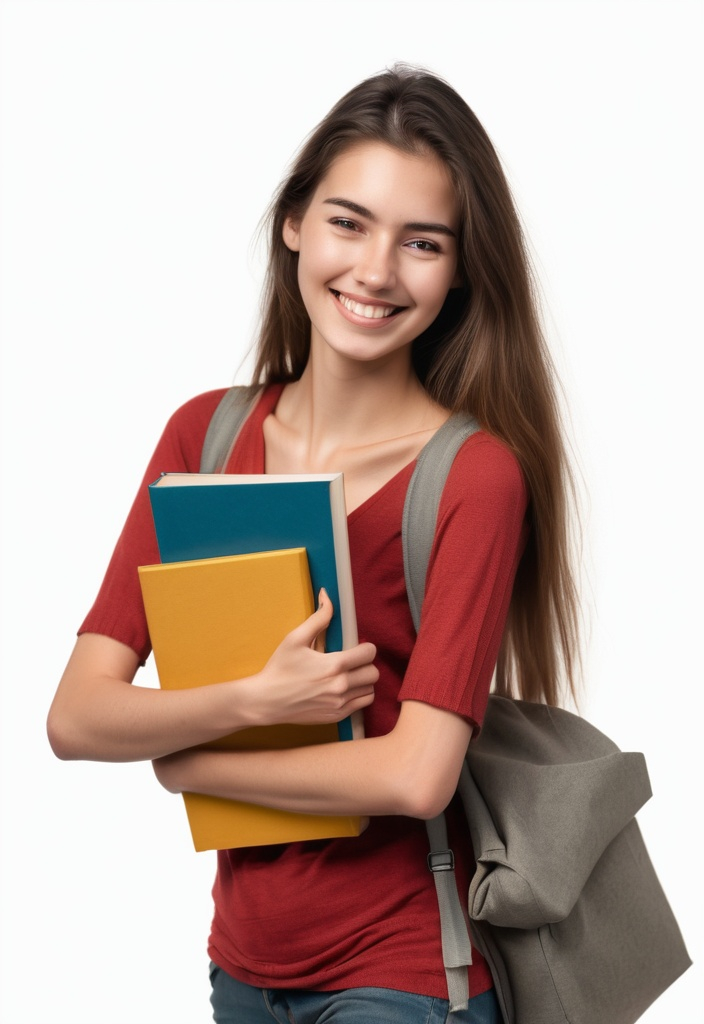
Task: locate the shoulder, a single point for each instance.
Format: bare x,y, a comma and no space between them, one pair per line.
187,427
196,412
486,471
181,441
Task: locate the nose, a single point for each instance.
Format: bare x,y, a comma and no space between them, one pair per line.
376,264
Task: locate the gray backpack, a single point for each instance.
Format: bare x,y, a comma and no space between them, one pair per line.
564,904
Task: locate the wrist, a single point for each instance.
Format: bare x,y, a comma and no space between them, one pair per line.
238,704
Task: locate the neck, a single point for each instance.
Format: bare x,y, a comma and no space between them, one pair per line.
337,405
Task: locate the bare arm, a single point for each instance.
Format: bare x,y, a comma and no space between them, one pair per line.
413,770
97,715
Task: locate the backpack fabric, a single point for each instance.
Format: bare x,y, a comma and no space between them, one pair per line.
565,904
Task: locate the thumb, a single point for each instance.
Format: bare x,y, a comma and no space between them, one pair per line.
324,606
311,633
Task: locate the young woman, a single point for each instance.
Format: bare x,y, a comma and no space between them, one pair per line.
398,291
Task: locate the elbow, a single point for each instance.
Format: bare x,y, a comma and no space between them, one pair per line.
426,750
429,807
62,739
424,798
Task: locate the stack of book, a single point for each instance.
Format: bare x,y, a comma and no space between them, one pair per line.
241,558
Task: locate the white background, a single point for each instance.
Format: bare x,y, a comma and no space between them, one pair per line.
141,141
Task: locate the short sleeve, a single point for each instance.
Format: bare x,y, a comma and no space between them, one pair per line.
118,611
480,536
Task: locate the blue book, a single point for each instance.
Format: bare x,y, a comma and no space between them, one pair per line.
208,515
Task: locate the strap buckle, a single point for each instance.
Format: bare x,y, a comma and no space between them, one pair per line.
441,860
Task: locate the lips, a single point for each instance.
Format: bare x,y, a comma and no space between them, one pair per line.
369,311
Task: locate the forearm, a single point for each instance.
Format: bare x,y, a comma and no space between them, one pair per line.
134,723
324,779
412,771
99,715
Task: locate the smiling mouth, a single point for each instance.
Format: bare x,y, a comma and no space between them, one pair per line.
370,312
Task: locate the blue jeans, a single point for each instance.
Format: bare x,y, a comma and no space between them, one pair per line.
236,1003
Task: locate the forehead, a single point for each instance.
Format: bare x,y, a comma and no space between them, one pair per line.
392,184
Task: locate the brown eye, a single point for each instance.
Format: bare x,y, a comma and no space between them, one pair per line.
423,245
344,222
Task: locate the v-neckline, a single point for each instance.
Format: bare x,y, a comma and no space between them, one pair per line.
270,398
380,491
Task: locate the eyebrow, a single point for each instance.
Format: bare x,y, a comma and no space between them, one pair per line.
362,211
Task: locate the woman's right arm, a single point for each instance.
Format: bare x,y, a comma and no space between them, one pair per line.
97,715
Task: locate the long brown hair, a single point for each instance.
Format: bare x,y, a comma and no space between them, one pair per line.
485,353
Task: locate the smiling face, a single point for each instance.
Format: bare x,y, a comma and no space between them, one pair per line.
377,251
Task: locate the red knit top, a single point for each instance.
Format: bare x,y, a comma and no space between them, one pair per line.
360,911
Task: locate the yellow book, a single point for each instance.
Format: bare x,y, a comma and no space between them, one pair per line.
215,619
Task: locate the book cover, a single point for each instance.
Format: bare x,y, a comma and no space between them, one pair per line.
216,619
203,515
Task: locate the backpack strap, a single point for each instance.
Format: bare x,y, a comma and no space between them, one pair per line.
420,510
225,425
419,518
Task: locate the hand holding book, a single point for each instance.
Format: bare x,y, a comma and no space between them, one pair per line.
302,685
299,685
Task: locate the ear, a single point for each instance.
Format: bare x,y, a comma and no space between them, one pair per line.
292,234
458,280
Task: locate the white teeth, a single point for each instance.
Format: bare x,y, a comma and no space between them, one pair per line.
370,312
